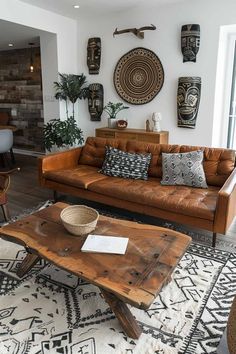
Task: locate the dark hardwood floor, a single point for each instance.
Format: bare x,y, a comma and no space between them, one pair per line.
25,192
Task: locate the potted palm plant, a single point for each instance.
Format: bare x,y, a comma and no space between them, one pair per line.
112,109
64,134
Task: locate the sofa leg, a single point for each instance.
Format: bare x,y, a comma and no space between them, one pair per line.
55,196
214,239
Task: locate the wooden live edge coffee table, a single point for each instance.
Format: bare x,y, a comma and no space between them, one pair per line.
134,278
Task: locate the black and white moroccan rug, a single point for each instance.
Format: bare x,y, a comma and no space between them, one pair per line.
50,311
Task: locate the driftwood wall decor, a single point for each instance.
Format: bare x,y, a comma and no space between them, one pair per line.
188,99
136,31
94,55
95,101
138,76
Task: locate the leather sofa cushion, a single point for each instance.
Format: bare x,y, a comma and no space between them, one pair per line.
80,176
184,200
93,152
218,163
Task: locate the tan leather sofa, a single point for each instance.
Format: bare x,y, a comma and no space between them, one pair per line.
75,172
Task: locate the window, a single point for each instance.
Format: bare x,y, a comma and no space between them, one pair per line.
231,139
224,121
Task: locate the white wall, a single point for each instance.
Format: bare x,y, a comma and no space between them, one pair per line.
49,66
65,30
165,42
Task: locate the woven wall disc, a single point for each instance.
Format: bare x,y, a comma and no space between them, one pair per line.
138,76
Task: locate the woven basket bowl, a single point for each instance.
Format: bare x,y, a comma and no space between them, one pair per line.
79,219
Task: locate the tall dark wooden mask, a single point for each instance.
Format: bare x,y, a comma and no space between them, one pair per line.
95,101
188,99
190,42
94,55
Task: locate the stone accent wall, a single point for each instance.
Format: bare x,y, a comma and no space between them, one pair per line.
21,95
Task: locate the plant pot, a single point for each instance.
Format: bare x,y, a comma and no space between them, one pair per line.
111,123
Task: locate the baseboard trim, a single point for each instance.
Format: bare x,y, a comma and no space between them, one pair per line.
28,152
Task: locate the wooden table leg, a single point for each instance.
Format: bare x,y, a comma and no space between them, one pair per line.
123,314
29,261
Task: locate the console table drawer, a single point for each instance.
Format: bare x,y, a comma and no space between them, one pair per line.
105,134
157,139
134,134
127,136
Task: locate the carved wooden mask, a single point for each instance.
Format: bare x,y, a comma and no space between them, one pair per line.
94,55
188,99
95,101
190,42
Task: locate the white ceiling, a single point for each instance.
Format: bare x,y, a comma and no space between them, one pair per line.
65,7
19,35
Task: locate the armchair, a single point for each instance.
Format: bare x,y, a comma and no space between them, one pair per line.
4,185
6,143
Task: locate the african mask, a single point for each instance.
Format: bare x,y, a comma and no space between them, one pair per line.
190,42
94,55
188,99
95,101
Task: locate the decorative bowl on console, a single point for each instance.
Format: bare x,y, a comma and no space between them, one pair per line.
121,124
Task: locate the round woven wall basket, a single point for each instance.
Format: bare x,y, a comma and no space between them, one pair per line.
138,76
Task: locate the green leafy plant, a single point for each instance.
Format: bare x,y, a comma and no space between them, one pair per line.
112,109
62,133
59,133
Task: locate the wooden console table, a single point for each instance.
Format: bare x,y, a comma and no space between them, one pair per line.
134,134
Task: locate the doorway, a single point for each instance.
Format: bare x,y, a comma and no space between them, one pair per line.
28,68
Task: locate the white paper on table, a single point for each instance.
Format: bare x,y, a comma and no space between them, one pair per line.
105,244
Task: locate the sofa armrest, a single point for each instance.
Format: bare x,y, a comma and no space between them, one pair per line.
226,204
58,161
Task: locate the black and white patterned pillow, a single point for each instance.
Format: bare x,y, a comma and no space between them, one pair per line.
118,163
183,169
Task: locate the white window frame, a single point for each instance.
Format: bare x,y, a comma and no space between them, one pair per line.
231,140
224,74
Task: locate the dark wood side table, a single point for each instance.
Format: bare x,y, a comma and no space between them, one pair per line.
134,134
10,127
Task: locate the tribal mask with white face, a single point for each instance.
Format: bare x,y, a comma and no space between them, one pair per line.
188,99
